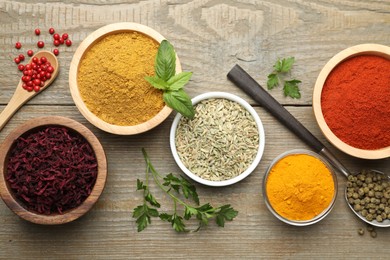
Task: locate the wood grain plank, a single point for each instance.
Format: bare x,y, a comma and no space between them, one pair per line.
108,231
210,36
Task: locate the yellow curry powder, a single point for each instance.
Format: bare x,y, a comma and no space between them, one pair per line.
300,187
111,79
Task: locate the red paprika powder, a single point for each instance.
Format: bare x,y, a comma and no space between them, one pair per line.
355,101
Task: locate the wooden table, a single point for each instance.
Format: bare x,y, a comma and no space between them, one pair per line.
210,37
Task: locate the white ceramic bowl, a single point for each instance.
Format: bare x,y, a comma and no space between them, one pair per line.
251,167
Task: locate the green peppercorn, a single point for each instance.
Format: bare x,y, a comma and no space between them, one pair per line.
373,234
368,180
379,218
361,231
369,217
357,207
350,178
355,195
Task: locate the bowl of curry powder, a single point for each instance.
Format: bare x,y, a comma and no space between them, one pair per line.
107,79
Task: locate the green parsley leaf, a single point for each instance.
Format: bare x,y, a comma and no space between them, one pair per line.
189,212
157,82
291,88
187,188
179,80
284,65
165,67
152,200
143,215
204,213
140,185
273,81
281,67
225,213
179,101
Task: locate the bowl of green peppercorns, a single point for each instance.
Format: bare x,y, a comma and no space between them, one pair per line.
368,193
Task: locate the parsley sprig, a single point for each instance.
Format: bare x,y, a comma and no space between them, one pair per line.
276,78
169,82
180,191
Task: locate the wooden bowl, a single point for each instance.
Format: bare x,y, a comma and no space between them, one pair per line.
74,67
368,49
67,216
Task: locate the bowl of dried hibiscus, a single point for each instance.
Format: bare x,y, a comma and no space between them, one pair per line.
52,171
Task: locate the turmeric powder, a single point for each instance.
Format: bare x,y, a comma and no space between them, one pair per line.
300,187
111,79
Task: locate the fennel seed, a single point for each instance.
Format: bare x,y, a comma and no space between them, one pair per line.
220,142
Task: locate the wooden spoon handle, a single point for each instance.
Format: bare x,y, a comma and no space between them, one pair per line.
244,81
17,100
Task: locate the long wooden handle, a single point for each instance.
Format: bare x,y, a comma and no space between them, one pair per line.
13,105
244,81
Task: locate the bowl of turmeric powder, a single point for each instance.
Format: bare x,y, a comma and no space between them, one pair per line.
300,187
107,79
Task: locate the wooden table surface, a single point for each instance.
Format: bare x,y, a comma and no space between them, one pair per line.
210,37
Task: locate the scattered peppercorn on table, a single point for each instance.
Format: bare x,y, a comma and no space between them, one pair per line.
210,38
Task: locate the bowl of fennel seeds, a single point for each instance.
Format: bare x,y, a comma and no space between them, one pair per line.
222,144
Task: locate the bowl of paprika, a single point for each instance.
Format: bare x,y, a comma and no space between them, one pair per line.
107,79
52,170
351,101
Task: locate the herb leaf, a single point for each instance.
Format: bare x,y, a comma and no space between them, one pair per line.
179,101
165,67
152,200
187,188
225,213
157,82
284,65
143,215
179,80
273,81
291,88
171,84
281,67
204,213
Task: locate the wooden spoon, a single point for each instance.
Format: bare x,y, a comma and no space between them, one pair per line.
21,96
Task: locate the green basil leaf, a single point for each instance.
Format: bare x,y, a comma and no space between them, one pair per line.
179,80
165,66
179,101
157,82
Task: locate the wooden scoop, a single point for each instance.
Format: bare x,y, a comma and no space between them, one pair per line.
21,96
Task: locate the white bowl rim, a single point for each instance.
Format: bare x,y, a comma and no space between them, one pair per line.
252,166
320,216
